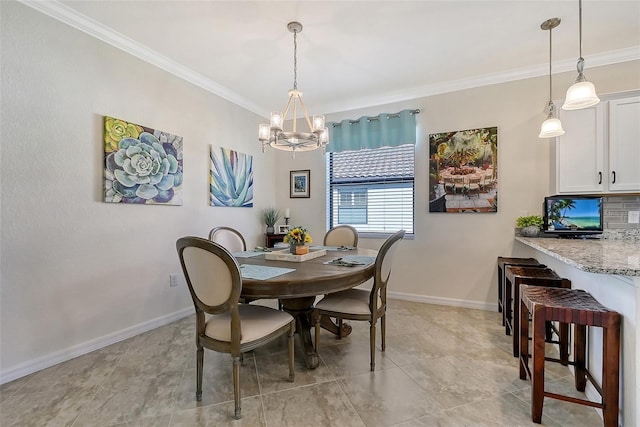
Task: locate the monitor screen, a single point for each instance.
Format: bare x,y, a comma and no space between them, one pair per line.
573,216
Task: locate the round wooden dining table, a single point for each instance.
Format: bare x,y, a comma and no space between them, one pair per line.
297,290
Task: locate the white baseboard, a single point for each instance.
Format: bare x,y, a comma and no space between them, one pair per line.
31,366
477,305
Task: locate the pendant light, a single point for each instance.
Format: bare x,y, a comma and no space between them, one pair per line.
551,127
581,94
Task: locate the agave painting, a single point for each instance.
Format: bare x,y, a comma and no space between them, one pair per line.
231,178
142,165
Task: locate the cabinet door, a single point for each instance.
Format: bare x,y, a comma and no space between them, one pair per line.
580,151
624,144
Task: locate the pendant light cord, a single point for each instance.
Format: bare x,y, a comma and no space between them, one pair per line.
550,46
295,60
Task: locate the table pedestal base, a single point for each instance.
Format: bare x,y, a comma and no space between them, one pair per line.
300,309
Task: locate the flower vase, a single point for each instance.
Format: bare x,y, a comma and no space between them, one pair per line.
298,249
270,229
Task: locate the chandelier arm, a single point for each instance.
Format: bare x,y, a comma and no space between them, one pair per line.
306,115
295,115
286,109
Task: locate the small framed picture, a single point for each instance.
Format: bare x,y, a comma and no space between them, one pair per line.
283,229
300,183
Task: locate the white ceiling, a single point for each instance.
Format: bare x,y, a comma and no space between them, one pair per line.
353,54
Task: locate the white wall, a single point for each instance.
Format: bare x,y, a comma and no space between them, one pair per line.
452,259
76,271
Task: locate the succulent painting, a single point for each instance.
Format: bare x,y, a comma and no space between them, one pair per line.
142,165
231,178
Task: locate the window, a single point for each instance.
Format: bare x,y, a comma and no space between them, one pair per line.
372,189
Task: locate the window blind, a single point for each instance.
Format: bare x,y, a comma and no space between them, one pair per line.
372,189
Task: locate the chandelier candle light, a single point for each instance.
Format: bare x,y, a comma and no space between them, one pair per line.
581,94
274,135
552,126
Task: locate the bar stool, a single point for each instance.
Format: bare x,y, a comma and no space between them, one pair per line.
581,309
502,263
513,278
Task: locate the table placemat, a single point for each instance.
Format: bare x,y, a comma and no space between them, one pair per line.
334,248
352,260
260,272
247,254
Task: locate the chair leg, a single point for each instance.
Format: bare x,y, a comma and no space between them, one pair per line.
372,344
383,331
199,363
506,307
563,331
236,387
291,354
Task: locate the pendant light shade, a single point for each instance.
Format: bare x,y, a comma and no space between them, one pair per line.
581,94
551,127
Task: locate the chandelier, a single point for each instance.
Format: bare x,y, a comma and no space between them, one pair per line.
274,135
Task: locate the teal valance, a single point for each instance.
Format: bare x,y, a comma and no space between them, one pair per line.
383,130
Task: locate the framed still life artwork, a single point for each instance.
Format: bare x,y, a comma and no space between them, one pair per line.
299,183
230,178
463,171
142,165
284,229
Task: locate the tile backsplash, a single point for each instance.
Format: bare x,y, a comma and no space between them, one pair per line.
616,217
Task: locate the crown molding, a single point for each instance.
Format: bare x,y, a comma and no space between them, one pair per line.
69,16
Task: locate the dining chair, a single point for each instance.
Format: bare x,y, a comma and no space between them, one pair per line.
214,280
360,304
228,237
474,185
460,184
341,235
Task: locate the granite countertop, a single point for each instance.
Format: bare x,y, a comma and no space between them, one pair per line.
604,256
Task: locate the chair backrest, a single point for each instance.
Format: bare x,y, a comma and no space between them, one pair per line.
341,235
229,238
384,261
212,274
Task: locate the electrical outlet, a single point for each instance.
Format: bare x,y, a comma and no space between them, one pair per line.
174,279
634,217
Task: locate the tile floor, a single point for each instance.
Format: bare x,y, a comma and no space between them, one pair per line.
443,366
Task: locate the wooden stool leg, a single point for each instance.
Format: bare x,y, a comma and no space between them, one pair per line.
537,376
500,300
506,308
515,317
610,374
524,341
579,350
563,330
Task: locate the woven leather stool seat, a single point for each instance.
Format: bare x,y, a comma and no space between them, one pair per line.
514,277
502,263
581,309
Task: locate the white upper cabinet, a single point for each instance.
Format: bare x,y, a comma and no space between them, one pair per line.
624,144
600,151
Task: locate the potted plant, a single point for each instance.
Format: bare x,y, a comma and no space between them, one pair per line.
529,225
270,216
297,239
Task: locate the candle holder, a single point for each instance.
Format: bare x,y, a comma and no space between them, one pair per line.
286,220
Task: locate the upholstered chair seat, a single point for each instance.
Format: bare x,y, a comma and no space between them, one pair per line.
255,322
